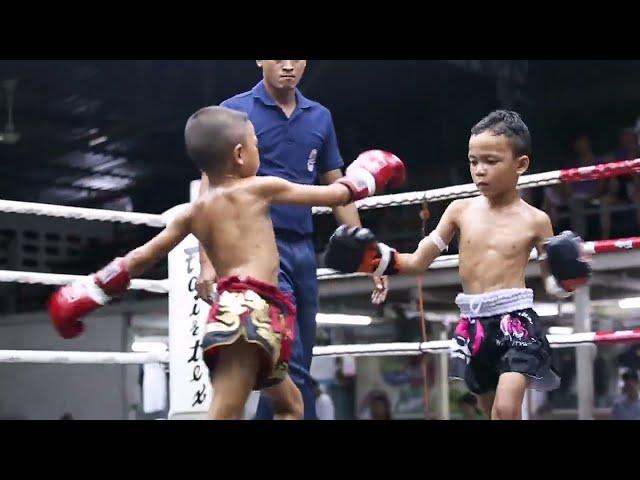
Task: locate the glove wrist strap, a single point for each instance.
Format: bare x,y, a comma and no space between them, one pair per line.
552,288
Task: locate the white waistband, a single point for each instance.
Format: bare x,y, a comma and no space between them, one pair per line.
495,303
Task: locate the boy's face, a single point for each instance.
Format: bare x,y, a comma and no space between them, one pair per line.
494,168
249,153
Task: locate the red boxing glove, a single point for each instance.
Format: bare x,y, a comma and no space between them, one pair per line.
80,298
372,172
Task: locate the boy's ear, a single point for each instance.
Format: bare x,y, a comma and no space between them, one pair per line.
523,164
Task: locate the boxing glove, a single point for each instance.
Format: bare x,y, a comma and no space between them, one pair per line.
72,302
372,172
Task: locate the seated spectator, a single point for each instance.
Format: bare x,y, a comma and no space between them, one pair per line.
627,406
324,404
554,201
625,189
589,190
378,406
588,193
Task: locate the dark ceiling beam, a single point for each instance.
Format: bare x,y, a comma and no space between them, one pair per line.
596,95
17,181
51,170
511,70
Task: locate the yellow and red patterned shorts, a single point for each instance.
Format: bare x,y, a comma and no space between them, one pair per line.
261,314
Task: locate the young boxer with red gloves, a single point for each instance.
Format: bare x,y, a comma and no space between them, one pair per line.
250,328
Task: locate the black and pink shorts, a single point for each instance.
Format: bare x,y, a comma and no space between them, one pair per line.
499,332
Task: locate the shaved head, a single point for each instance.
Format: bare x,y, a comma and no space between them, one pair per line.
211,134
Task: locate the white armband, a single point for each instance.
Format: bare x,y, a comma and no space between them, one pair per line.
385,257
436,240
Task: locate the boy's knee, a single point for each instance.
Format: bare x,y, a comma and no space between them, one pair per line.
506,410
291,407
226,410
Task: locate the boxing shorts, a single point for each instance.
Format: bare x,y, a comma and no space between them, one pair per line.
262,315
499,332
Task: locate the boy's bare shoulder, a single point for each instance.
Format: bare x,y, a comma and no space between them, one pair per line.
262,186
460,205
537,216
256,186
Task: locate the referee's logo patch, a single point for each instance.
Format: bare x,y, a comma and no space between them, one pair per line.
311,161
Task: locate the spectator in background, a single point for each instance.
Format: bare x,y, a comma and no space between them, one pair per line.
555,198
578,196
554,202
621,189
584,157
627,145
324,404
379,405
587,193
629,150
627,407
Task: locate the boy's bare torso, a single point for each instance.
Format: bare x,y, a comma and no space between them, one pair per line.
495,243
233,224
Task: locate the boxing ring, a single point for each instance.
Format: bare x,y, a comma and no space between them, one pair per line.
189,392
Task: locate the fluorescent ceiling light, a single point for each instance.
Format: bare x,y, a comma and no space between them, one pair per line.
632,302
97,141
341,319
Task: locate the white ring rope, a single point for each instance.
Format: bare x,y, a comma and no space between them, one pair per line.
372,350
28,208
451,261
415,348
36,278
595,172
95,358
442,346
161,286
446,193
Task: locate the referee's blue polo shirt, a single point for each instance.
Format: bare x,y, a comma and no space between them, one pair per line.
298,148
